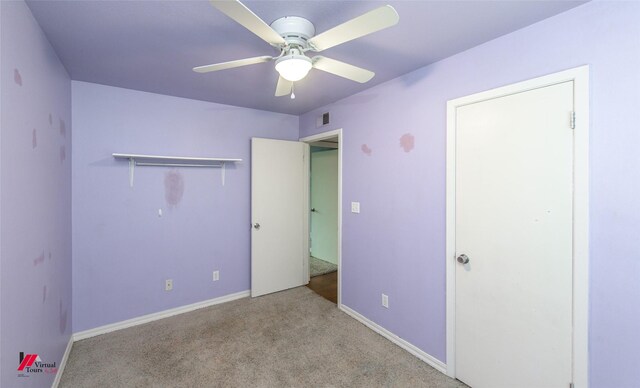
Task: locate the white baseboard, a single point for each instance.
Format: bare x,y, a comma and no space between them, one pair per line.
429,359
63,363
155,316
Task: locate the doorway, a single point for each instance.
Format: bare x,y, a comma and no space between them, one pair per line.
324,213
517,234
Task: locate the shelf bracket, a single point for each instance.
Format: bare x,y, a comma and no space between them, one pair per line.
222,173
132,167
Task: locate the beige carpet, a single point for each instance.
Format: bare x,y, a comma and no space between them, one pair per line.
293,338
319,267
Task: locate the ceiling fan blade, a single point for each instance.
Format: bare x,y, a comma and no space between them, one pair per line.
341,69
243,15
231,64
370,22
284,87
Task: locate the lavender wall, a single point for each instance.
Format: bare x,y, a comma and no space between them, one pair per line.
397,244
122,250
35,198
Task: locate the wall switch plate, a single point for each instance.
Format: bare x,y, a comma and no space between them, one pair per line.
159,212
168,285
385,301
216,276
355,207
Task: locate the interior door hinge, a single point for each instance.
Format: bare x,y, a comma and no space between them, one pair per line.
572,123
571,385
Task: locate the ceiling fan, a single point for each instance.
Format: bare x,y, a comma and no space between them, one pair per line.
294,36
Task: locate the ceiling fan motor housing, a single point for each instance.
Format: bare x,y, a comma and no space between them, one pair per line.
295,30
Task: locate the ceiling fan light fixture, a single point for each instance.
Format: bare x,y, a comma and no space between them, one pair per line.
293,67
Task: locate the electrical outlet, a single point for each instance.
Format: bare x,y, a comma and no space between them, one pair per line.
216,276
385,301
168,285
355,207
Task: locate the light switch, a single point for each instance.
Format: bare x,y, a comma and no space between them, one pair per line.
355,207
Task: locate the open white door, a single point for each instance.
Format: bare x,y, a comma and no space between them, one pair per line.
280,222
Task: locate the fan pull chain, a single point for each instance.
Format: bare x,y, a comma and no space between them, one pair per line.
293,95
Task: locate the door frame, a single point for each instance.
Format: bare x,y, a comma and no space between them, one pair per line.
580,78
313,139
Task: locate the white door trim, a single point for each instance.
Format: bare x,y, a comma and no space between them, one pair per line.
319,137
580,78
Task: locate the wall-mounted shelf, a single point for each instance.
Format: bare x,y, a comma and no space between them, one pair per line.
172,161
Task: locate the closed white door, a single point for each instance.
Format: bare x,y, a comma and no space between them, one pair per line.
513,185
280,222
324,205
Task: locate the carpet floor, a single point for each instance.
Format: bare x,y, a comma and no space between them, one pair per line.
292,338
319,267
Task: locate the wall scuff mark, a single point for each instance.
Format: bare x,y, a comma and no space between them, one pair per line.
173,187
17,77
366,150
407,142
63,319
39,260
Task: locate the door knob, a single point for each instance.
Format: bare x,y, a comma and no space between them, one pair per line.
463,259
313,209
256,226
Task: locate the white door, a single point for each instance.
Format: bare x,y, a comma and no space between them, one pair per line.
280,222
324,205
513,185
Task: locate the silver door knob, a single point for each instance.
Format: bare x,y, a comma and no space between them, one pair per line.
256,226
463,259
